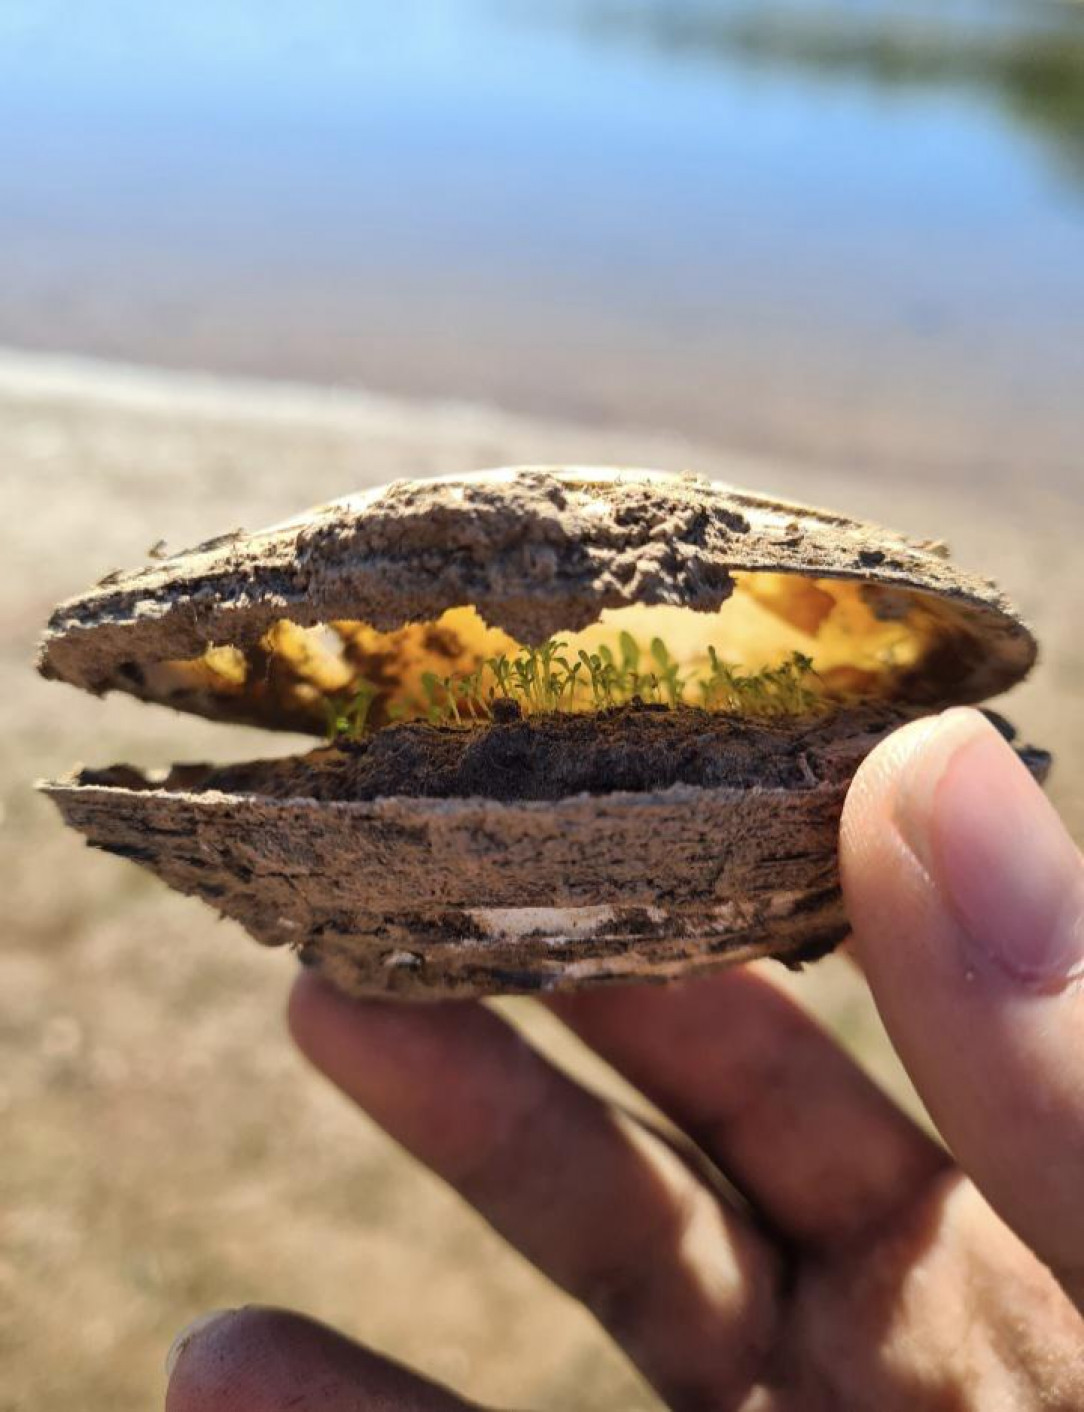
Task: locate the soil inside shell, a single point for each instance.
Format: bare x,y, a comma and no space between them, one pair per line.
634,748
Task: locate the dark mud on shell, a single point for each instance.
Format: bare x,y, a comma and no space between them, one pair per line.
633,749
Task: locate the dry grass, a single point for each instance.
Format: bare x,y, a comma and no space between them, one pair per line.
164,1149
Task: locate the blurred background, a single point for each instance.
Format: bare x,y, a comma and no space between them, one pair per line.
254,255
686,213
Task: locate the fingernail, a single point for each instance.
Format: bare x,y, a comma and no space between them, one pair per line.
190,1333
994,845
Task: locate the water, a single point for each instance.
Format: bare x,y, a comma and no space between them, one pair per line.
845,231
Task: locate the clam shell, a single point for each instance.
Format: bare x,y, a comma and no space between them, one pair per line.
537,551
426,897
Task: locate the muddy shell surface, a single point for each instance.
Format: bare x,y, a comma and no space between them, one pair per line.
536,551
435,897
429,898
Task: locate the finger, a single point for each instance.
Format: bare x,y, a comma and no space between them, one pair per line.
604,1207
812,1141
267,1360
967,899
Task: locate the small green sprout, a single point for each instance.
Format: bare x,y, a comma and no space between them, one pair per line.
773,691
433,703
500,669
350,717
630,653
545,679
669,675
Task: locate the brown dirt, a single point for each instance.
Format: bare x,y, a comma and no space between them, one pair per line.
634,748
631,748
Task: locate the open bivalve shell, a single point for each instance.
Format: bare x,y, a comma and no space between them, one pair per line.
586,724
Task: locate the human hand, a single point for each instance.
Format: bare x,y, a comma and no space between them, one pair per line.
870,1270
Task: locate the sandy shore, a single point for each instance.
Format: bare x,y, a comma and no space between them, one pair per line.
164,1148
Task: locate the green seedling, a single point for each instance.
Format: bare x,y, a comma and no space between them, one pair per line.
544,679
773,691
669,676
349,716
630,653
500,669
435,705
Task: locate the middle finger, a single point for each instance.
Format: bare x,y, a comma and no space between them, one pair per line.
816,1146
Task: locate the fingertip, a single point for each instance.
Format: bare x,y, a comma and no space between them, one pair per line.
219,1363
190,1333
259,1359
871,800
350,1041
945,823
332,1028
310,1000
885,831
324,1021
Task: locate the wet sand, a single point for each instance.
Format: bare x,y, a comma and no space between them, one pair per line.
165,1149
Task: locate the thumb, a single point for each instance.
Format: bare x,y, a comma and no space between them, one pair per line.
966,896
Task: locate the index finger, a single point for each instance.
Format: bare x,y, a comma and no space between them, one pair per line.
591,1197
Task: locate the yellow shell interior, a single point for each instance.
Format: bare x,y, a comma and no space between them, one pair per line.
862,640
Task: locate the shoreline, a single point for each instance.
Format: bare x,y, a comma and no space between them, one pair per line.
885,413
